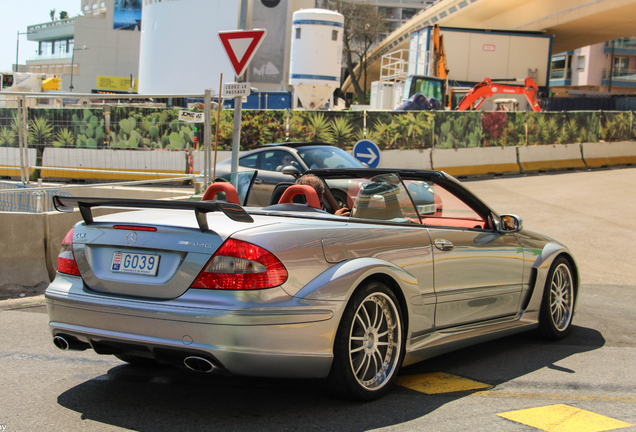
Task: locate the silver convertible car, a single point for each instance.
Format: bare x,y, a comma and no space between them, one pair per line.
291,290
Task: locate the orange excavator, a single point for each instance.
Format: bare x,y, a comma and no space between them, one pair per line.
482,91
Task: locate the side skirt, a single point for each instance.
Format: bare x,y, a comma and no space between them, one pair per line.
451,339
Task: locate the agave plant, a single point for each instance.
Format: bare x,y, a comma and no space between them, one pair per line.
385,133
40,131
570,131
359,135
7,136
320,129
64,138
549,129
342,131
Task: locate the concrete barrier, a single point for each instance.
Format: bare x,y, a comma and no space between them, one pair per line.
414,159
31,241
138,161
549,157
607,153
23,254
476,161
10,161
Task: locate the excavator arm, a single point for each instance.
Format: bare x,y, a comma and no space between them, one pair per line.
482,91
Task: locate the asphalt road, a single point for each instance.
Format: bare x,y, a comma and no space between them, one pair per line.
566,385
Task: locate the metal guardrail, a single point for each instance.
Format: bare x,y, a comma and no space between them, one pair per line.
24,199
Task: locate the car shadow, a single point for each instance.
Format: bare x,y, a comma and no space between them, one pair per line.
172,399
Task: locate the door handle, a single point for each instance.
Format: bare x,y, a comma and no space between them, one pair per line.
443,244
258,181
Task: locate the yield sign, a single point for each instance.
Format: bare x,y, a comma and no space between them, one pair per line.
241,45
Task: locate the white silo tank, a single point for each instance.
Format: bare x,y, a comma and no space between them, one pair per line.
316,56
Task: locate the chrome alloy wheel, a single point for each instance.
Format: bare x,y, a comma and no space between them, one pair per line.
561,297
375,339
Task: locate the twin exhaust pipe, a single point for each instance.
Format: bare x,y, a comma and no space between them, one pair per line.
198,364
195,363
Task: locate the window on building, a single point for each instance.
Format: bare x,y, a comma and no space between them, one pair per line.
45,48
408,13
560,62
621,63
60,47
297,32
334,35
580,63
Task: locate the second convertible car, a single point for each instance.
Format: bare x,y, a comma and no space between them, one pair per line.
290,290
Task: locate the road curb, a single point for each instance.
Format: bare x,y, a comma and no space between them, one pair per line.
22,302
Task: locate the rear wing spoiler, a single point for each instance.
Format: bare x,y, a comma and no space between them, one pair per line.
232,211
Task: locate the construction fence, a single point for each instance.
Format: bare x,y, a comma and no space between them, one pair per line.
122,143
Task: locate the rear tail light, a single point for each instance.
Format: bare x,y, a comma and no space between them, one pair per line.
66,260
239,265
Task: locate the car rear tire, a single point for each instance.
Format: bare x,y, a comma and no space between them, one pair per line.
557,306
369,345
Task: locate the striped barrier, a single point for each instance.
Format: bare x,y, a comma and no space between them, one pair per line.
602,154
10,161
414,159
112,164
550,157
476,161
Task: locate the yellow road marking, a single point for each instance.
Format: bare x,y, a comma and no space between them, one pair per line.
564,418
439,382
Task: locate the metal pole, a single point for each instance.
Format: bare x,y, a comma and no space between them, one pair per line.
20,139
218,121
611,71
236,138
72,68
17,50
25,132
207,100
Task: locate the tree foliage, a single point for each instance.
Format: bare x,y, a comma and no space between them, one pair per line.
362,26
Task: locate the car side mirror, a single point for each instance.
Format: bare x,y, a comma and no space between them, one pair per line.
510,223
291,170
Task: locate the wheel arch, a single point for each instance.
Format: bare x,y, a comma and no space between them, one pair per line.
341,281
542,267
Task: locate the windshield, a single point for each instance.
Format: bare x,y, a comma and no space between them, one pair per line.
327,157
382,197
429,88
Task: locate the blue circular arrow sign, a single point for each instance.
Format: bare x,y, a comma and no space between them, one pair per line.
368,152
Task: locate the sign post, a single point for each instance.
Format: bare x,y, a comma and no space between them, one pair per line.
366,151
240,46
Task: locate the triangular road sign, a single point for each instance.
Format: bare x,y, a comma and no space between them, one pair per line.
241,45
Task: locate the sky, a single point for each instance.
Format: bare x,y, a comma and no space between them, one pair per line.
17,16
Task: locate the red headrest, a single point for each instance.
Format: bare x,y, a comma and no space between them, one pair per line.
214,188
309,192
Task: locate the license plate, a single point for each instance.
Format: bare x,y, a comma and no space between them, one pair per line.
142,264
426,208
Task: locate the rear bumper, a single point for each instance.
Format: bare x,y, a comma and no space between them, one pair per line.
288,338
